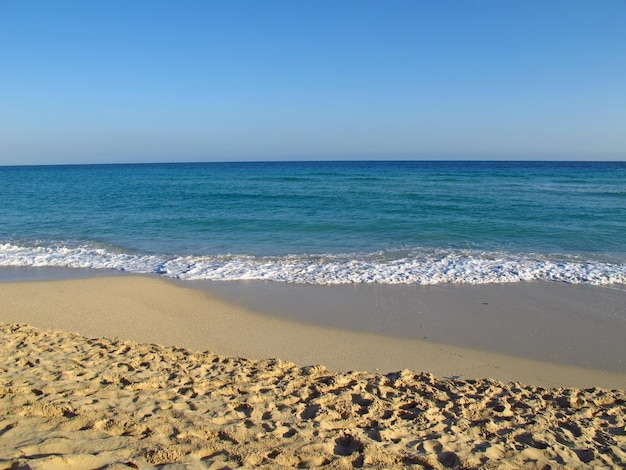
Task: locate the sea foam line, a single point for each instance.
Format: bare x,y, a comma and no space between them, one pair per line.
441,267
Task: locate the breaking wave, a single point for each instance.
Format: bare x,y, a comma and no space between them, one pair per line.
393,267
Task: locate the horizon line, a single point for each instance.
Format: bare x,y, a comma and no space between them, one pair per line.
199,162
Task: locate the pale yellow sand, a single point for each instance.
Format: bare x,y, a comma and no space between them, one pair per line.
152,310
71,402
67,401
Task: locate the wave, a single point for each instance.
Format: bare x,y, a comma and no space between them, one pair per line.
417,267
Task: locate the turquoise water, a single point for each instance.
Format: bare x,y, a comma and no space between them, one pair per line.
323,222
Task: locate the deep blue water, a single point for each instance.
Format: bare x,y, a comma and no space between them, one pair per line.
323,222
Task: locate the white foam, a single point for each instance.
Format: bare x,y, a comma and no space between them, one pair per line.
75,257
420,267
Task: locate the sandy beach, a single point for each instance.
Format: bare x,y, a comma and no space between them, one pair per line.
131,371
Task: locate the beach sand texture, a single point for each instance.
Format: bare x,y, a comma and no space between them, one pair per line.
83,401
72,402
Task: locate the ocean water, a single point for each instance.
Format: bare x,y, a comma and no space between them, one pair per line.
323,222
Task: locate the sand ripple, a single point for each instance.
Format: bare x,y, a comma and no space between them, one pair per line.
67,401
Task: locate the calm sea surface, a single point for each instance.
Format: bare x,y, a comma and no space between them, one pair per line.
323,222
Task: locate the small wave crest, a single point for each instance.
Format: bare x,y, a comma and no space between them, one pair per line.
420,267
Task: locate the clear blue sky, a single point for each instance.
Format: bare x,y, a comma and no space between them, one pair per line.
145,80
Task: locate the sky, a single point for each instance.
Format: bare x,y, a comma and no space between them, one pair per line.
177,81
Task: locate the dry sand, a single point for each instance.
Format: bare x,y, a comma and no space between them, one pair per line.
68,401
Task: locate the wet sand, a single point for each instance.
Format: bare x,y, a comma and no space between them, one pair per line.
153,310
576,325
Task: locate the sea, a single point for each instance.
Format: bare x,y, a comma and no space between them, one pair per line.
384,222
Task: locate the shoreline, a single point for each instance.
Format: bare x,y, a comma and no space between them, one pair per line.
148,309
